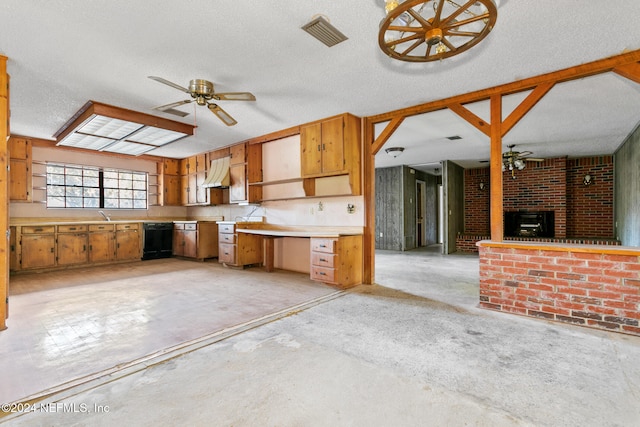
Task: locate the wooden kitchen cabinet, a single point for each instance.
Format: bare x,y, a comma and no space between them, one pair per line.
238,249
72,244
128,242
171,182
38,247
101,243
245,167
331,147
13,250
20,169
193,239
337,261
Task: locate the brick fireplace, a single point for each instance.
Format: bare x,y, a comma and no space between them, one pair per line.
581,214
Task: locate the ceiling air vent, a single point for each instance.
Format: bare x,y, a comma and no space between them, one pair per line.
321,29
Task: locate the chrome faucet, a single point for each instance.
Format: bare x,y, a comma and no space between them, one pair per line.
106,217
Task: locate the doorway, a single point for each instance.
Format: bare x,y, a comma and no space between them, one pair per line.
421,209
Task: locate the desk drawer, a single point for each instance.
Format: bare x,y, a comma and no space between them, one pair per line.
323,274
227,253
226,228
322,259
324,245
227,238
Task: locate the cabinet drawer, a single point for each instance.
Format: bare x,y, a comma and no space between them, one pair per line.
127,226
227,253
72,228
323,245
322,274
322,259
101,227
227,238
226,228
47,229
191,226
178,225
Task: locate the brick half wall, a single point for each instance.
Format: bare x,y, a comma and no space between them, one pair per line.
595,286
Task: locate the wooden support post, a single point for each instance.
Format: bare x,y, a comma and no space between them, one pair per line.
4,192
497,227
369,191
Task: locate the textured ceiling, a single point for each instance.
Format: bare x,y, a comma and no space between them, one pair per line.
63,53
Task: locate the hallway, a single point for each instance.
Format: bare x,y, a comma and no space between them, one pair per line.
412,350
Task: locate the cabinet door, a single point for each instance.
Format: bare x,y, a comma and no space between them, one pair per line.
171,166
192,188
38,251
19,180
172,191
311,149
332,145
101,246
178,242
238,154
238,187
202,193
72,249
190,243
127,245
13,259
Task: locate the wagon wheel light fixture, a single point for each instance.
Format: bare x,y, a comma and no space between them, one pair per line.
423,31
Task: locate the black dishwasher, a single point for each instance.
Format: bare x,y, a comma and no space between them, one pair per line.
158,240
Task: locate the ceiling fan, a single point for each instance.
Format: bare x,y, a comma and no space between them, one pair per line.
512,160
203,92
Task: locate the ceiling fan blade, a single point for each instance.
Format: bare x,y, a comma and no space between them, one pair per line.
523,154
168,83
222,115
234,96
173,104
533,159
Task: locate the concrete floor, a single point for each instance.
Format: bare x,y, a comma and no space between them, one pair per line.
413,350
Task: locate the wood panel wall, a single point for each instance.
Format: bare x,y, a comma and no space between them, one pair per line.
627,190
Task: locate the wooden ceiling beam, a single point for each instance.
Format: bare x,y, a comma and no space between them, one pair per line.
525,106
630,71
567,74
386,133
470,117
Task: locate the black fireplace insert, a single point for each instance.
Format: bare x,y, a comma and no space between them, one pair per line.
529,224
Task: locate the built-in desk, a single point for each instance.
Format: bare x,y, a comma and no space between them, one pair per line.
336,252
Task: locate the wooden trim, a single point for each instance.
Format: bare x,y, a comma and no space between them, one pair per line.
295,130
561,247
567,74
45,143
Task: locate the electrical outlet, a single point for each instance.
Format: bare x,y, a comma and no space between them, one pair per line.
351,208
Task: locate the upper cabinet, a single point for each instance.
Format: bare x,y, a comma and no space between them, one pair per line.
20,169
170,172
332,147
245,167
322,148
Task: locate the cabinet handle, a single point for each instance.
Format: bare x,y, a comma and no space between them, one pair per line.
322,273
319,147
72,228
323,246
51,250
323,147
38,230
323,260
90,247
84,248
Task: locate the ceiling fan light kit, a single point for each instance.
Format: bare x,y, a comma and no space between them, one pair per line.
512,160
430,30
202,92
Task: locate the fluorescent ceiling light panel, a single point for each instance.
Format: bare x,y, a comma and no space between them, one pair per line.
125,147
155,136
103,127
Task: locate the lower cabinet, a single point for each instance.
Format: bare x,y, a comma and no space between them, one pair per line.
128,242
101,243
64,245
238,249
337,261
72,244
195,239
38,247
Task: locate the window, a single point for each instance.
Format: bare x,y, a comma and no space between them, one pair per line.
73,186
